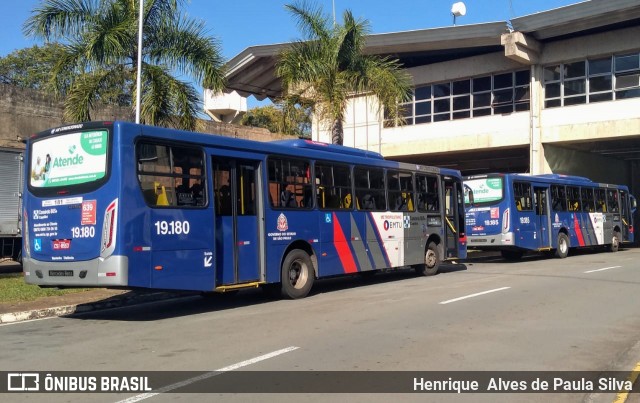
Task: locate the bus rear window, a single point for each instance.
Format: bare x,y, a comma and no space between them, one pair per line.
485,190
69,159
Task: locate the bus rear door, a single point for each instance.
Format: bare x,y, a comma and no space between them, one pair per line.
238,214
543,222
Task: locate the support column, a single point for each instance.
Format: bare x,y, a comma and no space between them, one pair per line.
537,162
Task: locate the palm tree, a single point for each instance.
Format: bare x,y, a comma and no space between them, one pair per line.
101,46
328,66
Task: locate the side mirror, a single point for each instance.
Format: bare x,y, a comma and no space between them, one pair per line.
468,195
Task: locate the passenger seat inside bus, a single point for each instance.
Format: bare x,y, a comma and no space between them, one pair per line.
287,198
368,202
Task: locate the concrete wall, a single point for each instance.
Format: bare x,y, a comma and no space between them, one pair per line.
25,112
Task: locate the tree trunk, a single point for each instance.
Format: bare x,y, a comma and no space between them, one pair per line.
337,132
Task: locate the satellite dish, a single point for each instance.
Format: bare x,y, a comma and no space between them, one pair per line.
458,9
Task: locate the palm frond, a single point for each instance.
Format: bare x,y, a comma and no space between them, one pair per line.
55,19
83,94
184,45
167,101
311,20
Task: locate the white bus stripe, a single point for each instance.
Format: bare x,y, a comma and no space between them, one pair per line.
473,295
207,375
603,269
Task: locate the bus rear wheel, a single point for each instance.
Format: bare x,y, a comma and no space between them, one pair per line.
431,261
563,246
297,275
615,242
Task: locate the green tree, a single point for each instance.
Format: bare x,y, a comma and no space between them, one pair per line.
327,66
31,68
294,120
101,47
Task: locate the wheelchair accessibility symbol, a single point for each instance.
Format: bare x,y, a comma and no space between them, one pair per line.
327,218
37,244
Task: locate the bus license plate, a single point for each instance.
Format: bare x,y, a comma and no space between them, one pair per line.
61,273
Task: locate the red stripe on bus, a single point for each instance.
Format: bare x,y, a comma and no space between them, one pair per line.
576,227
340,242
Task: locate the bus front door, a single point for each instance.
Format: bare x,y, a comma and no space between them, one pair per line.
236,190
455,239
543,223
626,217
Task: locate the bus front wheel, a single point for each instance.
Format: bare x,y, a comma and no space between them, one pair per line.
431,261
297,275
615,242
563,246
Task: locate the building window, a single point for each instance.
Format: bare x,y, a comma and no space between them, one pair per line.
593,80
461,99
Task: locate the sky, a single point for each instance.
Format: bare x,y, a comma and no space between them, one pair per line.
239,24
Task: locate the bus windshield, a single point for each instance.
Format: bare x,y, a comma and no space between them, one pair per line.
69,159
483,190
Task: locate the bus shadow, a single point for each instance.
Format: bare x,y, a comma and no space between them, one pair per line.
187,304
495,257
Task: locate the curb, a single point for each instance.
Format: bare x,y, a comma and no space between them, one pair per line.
118,302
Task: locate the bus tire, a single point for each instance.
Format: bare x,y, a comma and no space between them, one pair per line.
511,255
297,275
431,261
563,246
615,242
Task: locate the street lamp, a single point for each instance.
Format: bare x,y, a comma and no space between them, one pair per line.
333,3
138,81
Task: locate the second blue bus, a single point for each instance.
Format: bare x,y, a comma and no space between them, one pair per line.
516,213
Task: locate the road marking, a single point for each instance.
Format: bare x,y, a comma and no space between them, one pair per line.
621,397
603,269
473,295
208,375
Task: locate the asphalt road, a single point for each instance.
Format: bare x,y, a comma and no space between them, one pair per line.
540,314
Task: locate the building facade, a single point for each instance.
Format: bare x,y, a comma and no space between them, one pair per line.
552,92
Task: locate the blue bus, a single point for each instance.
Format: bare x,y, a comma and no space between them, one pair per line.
515,213
115,204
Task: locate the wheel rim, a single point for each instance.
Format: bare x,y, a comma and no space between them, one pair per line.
563,245
615,242
298,274
430,259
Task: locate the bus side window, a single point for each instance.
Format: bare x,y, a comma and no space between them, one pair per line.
428,199
573,195
291,181
612,200
588,204
601,200
558,198
522,195
167,175
333,186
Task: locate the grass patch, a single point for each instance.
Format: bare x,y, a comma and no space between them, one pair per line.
14,289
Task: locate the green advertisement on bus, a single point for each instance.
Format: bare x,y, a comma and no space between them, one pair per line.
70,159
